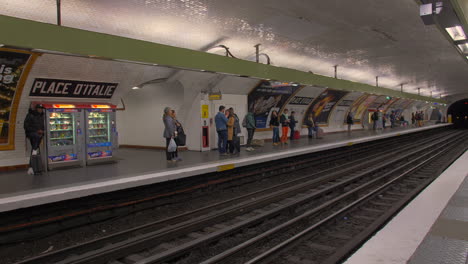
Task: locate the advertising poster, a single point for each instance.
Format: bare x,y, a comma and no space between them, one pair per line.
13,71
378,102
323,105
355,107
267,97
388,104
363,107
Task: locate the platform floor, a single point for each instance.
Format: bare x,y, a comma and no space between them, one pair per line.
432,229
137,167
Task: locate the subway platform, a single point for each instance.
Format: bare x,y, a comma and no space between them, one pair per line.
431,229
138,167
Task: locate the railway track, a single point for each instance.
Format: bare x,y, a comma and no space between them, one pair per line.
30,225
176,239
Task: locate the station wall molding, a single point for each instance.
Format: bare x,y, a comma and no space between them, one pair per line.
35,35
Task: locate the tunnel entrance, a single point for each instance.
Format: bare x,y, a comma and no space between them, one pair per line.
459,112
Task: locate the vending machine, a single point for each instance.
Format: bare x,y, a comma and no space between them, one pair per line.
101,133
64,135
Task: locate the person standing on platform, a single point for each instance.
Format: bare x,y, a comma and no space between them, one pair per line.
251,126
274,124
392,119
34,129
284,120
178,132
310,124
230,130
349,121
237,130
421,119
292,124
375,119
221,128
384,121
413,119
170,132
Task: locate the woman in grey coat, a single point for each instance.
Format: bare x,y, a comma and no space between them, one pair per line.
170,131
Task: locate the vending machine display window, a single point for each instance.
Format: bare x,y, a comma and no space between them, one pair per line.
63,141
62,129
99,135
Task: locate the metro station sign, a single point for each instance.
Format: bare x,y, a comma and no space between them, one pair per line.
71,88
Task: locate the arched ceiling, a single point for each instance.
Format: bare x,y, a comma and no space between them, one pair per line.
366,38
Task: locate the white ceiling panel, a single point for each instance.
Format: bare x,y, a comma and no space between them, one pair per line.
366,38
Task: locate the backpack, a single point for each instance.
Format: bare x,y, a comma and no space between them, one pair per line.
244,121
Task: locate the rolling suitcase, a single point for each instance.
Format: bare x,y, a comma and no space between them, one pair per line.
319,132
237,143
36,164
297,134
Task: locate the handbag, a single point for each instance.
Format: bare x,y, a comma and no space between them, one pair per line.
181,139
172,146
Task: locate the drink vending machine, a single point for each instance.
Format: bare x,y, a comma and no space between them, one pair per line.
101,134
79,134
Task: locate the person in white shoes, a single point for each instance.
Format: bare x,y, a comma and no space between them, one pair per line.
34,129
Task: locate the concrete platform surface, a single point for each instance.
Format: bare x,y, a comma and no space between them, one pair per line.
138,167
432,229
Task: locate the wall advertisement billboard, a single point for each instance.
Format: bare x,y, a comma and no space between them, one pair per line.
269,96
14,68
323,106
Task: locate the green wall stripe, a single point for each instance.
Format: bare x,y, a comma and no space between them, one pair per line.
36,35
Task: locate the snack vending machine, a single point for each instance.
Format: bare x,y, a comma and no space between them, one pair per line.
101,134
64,135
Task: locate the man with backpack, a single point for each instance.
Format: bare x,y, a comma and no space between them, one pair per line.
250,124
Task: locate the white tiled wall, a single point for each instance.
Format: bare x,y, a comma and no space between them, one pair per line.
75,68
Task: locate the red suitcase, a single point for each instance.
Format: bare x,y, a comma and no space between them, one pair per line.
297,134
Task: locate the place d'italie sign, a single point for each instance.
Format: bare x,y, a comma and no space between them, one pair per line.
71,88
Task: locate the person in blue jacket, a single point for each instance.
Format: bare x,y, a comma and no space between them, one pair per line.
221,128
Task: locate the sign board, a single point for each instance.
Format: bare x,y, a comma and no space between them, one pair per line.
301,100
204,111
215,97
71,88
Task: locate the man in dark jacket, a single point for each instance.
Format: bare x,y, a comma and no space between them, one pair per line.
251,125
292,124
34,127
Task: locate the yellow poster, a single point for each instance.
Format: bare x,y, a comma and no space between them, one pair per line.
14,68
204,111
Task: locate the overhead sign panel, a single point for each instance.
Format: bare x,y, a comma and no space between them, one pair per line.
72,88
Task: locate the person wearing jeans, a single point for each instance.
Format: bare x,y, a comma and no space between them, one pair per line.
251,126
221,128
292,124
309,122
274,123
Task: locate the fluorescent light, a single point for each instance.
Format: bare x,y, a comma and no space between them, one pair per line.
456,33
136,88
463,47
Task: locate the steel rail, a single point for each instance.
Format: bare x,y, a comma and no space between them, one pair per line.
273,252
46,258
178,251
